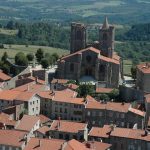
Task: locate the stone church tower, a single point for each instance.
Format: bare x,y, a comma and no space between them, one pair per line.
107,39
78,37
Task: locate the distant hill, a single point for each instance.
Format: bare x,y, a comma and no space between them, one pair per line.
92,11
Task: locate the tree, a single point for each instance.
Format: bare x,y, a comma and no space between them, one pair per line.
85,89
114,94
133,72
4,57
45,63
55,56
21,59
6,68
10,25
1,46
30,57
39,55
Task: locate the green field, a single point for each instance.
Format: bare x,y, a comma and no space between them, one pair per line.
12,50
127,67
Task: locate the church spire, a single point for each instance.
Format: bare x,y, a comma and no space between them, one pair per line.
105,24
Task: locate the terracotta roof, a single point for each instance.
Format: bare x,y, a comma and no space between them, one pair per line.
12,137
104,90
76,145
73,86
32,87
98,145
107,59
67,126
9,95
145,67
5,119
79,52
95,105
60,81
120,107
25,96
4,77
45,144
43,130
137,112
43,119
130,133
100,132
27,123
46,94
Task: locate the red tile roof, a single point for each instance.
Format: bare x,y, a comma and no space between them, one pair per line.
104,90
5,119
60,81
25,96
107,59
4,77
12,137
43,130
27,123
145,67
73,86
130,134
75,145
78,52
137,112
45,144
100,132
9,95
43,119
67,126
98,145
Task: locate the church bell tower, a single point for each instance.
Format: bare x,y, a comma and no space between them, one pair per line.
78,37
107,39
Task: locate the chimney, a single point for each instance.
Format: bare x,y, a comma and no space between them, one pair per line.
36,79
39,143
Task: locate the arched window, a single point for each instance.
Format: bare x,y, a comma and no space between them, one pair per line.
105,36
72,67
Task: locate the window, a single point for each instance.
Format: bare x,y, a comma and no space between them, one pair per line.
72,67
33,102
65,110
33,109
60,136
122,116
79,35
56,109
37,101
36,108
30,103
60,110
100,114
93,113
66,137
88,113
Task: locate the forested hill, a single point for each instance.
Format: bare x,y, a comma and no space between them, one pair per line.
140,32
134,43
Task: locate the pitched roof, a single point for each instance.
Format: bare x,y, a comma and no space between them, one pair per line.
145,67
43,119
60,81
4,77
75,145
98,145
67,126
27,123
130,134
104,90
137,112
100,132
32,87
80,51
107,59
25,96
105,24
5,119
43,130
44,144
9,95
12,137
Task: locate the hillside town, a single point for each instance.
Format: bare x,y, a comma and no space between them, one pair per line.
50,109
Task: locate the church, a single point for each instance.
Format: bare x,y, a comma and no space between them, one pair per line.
97,60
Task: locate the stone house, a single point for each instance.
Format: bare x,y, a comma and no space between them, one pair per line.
61,129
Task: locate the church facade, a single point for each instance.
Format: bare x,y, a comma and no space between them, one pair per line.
97,60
